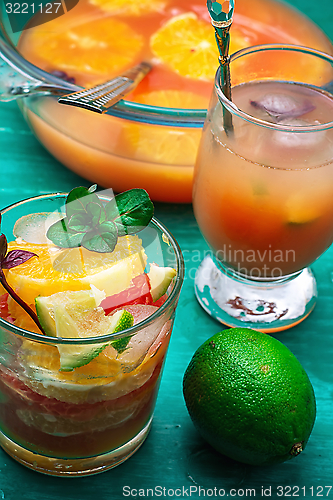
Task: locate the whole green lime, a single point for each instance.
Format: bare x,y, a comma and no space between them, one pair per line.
249,397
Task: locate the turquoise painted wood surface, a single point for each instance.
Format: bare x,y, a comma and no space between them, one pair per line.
174,457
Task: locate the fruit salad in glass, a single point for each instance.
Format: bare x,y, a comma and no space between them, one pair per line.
89,285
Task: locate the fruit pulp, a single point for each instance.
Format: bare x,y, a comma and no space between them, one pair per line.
263,196
121,153
67,429
87,412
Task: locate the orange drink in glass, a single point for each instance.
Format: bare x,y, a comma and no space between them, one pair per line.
263,188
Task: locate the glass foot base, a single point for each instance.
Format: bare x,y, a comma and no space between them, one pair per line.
75,466
267,307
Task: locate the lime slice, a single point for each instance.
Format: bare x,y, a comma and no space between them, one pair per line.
93,323
75,315
82,299
160,279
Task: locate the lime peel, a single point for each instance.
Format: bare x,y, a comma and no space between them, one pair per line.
250,397
160,279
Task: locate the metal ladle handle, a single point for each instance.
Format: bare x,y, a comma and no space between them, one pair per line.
15,82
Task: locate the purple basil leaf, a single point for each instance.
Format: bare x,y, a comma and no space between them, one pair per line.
282,107
16,257
3,247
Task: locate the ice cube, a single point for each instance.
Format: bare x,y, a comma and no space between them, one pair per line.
281,106
32,228
141,342
294,139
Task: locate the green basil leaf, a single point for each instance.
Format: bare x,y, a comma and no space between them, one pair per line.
135,210
58,233
102,239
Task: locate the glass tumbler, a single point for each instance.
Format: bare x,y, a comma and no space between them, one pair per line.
90,419
263,187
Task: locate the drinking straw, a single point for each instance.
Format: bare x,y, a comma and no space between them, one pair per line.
221,13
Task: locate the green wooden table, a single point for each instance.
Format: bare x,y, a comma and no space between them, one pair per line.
175,461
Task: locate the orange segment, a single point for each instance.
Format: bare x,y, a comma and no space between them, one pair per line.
186,44
130,7
42,365
157,144
104,47
22,319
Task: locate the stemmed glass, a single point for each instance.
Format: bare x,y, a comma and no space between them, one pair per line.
263,187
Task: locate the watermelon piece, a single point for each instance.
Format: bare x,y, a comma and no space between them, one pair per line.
138,293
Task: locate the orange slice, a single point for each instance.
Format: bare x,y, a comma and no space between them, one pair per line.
160,144
56,270
22,319
102,47
173,99
130,7
186,44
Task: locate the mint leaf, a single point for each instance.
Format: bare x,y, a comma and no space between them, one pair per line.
102,239
96,225
61,236
96,213
78,224
134,211
78,199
